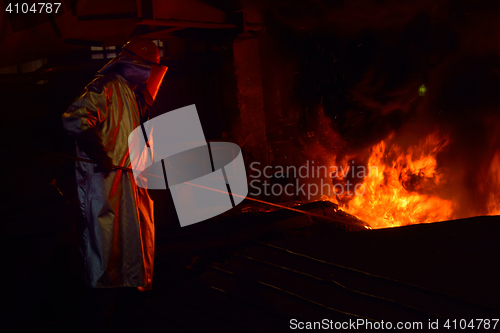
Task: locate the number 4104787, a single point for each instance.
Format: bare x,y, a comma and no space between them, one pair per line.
39,8
485,324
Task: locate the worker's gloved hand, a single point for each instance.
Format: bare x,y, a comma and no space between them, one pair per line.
90,142
105,165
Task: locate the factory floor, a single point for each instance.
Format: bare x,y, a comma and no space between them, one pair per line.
267,279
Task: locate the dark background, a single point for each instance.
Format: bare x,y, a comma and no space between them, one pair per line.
262,74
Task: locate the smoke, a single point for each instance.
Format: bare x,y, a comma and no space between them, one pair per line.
470,107
361,63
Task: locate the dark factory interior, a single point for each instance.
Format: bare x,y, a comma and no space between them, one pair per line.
369,150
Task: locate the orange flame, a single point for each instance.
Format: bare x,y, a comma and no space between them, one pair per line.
402,186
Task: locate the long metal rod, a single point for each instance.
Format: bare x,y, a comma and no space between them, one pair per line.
324,217
80,159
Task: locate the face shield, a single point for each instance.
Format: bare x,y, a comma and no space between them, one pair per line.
154,82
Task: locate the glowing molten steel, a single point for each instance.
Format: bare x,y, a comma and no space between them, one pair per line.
403,186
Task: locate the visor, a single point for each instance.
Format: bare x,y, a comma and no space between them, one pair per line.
154,82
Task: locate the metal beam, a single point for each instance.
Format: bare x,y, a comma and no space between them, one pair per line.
187,24
161,34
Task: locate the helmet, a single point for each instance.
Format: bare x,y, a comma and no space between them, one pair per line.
145,50
139,62
142,49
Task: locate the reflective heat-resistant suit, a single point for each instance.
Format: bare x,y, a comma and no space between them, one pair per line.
117,239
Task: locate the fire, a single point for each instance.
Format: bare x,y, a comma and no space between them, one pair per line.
411,177
402,186
494,177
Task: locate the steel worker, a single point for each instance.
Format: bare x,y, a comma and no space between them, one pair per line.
117,233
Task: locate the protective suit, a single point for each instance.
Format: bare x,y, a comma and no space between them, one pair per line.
117,235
